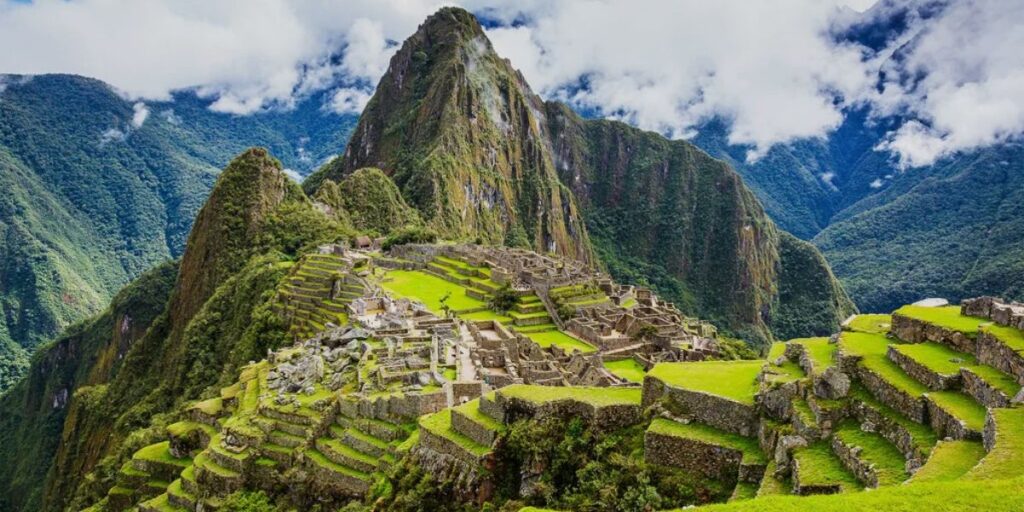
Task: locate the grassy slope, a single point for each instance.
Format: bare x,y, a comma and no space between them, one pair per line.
735,380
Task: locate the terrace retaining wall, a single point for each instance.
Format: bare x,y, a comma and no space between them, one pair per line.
997,354
719,412
919,331
883,391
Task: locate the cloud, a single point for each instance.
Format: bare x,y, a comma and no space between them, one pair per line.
959,80
293,174
113,135
877,183
247,55
775,70
140,114
769,67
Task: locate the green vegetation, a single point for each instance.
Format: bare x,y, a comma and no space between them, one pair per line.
949,461
874,323
735,380
627,369
872,349
936,357
875,450
597,397
819,466
1007,455
820,352
561,340
962,407
428,289
440,424
1013,338
944,316
752,453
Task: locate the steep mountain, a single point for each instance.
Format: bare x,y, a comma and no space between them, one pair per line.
667,212
215,319
462,135
98,189
460,132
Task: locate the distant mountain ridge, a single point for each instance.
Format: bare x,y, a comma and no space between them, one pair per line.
92,200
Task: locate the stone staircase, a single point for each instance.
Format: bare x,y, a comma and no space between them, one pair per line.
316,292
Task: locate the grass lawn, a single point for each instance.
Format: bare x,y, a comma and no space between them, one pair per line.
949,461
945,316
1014,338
962,407
486,315
597,397
872,349
996,379
877,450
936,357
160,452
874,323
819,351
819,466
923,436
440,424
992,496
752,453
428,289
1007,456
735,380
471,410
561,340
628,369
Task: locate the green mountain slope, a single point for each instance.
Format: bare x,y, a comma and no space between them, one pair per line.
952,230
667,212
462,135
91,200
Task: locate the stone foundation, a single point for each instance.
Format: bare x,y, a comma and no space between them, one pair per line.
945,425
709,460
918,331
721,413
886,393
924,375
981,391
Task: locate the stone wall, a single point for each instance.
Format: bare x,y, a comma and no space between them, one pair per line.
444,446
921,373
918,331
708,460
911,407
721,413
872,420
850,457
995,353
606,418
982,391
473,430
801,489
945,425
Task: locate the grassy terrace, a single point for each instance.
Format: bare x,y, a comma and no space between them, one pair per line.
819,466
735,380
819,351
949,461
924,437
428,289
788,371
962,407
322,461
597,397
751,451
873,323
946,316
1006,459
936,357
627,369
559,339
992,496
872,349
160,452
440,424
875,449
471,410
1014,338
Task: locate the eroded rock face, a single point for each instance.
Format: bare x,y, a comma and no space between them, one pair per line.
832,384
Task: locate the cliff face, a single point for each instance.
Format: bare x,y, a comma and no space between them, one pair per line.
666,212
463,137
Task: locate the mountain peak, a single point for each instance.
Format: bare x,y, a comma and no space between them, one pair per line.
464,139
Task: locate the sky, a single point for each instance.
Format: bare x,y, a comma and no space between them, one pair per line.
777,70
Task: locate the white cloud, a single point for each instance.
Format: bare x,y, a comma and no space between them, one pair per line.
113,135
877,183
293,174
349,100
170,116
771,68
139,115
248,54
960,80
